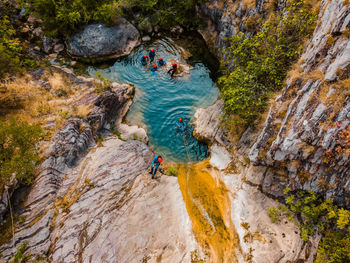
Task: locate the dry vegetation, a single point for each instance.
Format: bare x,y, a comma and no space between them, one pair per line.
48,100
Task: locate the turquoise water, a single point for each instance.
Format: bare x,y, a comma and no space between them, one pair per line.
161,100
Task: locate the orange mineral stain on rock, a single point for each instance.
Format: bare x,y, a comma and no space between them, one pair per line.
208,205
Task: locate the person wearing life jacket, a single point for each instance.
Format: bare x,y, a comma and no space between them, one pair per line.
151,54
173,69
154,68
155,164
180,124
144,60
161,62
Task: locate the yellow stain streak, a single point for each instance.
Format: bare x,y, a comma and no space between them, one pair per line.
208,205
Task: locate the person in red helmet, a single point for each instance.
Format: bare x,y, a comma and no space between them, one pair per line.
151,54
157,160
161,62
154,68
173,69
144,60
180,124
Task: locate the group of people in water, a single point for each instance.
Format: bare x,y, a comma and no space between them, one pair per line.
150,58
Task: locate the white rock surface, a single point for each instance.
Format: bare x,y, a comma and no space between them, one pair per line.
219,156
133,219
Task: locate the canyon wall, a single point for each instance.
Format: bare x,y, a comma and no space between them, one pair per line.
305,141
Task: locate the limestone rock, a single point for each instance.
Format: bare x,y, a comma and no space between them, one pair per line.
133,218
48,44
99,42
146,38
219,156
58,48
207,125
223,19
263,240
177,30
38,32
303,136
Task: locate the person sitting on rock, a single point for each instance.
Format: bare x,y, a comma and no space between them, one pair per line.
155,164
173,69
180,124
154,68
144,60
151,54
161,62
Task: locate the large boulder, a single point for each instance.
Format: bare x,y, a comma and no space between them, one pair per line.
97,41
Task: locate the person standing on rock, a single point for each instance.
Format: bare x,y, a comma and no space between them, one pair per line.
155,164
144,60
151,54
173,69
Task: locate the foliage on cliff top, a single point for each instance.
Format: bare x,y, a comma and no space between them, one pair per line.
318,216
64,17
18,155
10,48
257,66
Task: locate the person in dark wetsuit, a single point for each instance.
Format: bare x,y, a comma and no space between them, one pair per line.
144,60
155,164
151,54
154,68
161,62
173,69
180,124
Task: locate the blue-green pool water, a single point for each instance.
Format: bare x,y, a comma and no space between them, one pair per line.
161,100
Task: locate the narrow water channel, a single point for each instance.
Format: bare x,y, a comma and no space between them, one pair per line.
161,100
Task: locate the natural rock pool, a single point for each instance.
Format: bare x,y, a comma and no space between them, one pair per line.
161,100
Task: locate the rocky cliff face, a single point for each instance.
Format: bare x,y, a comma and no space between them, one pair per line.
259,240
225,18
305,141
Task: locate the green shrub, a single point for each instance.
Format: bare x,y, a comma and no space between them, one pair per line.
20,256
18,154
10,48
274,214
103,85
172,171
64,17
334,247
257,66
169,13
318,216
